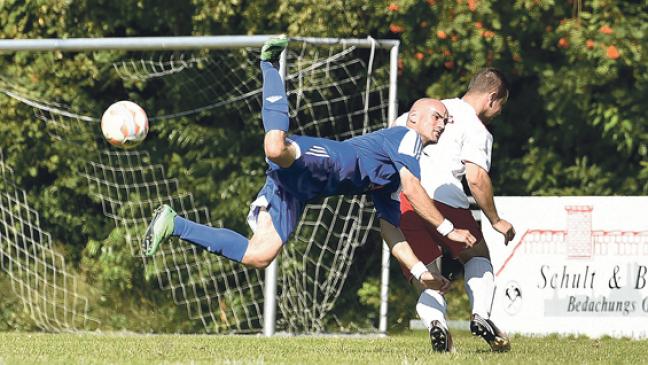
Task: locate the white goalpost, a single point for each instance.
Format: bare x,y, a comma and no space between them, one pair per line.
336,88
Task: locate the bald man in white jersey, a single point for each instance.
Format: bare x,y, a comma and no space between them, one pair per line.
463,150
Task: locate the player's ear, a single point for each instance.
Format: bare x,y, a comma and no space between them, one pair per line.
413,116
491,98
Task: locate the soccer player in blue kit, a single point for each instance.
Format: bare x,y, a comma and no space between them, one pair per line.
303,168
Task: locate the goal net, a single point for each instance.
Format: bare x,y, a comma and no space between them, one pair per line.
204,157
38,274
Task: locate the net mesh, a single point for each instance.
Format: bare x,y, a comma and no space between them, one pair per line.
333,93
38,273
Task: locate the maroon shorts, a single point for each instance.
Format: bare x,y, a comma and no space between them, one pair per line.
424,238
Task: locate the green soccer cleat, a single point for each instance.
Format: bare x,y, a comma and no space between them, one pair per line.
160,228
272,48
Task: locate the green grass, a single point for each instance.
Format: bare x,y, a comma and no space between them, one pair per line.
406,348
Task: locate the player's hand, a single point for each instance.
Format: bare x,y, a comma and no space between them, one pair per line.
434,281
462,236
504,227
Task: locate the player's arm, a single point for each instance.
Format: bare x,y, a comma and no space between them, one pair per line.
424,207
404,254
481,188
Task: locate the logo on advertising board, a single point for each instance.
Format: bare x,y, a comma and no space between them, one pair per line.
513,294
563,280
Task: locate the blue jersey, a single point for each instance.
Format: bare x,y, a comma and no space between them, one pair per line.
358,165
367,164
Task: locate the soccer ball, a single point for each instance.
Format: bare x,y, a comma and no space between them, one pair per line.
124,124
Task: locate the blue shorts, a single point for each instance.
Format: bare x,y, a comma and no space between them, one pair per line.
284,209
387,204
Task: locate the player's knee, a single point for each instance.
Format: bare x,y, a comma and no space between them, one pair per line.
265,244
257,264
261,253
480,249
258,260
275,150
279,154
274,144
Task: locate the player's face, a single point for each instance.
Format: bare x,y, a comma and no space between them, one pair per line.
436,124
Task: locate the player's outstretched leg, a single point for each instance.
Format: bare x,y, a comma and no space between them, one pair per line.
275,105
275,102
167,223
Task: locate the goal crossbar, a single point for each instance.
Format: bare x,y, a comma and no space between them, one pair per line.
173,43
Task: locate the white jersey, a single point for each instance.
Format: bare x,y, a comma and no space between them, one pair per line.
442,164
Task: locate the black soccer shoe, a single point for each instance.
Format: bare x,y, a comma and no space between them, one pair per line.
439,337
486,329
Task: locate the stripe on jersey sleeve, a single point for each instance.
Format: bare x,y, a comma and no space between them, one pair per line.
410,145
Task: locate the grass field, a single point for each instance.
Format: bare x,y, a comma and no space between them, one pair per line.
405,348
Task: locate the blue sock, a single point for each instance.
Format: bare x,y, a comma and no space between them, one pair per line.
275,103
220,241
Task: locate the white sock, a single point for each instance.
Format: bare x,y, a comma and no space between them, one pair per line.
480,285
431,306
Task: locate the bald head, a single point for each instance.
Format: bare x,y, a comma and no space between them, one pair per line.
428,117
428,105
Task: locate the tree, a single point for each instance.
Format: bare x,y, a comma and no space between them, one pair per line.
575,123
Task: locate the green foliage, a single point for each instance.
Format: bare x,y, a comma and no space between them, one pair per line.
575,123
13,315
111,264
